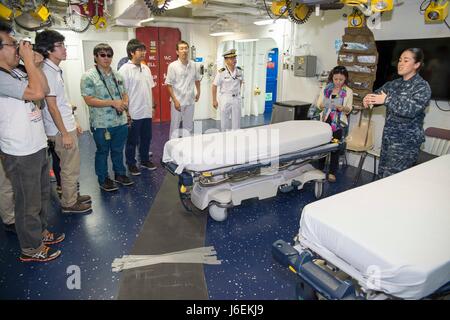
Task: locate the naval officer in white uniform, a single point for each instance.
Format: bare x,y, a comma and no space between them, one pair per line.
228,82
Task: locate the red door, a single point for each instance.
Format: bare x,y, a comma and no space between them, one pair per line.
168,38
161,50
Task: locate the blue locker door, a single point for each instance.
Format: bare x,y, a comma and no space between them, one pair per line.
271,81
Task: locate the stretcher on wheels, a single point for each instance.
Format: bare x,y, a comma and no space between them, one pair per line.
219,170
389,239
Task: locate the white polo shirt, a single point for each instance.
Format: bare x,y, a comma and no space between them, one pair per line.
138,81
21,127
56,85
182,79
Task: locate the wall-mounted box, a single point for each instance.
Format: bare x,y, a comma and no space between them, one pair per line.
305,66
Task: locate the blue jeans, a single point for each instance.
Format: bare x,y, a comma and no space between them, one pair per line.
115,145
140,135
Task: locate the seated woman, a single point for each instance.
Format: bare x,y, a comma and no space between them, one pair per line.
335,101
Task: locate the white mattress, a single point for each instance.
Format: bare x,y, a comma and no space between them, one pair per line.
217,150
397,227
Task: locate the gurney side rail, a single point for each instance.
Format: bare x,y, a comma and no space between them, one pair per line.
320,150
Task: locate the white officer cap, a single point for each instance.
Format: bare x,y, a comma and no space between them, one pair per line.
230,53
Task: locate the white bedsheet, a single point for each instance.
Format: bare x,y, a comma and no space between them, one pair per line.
218,150
396,229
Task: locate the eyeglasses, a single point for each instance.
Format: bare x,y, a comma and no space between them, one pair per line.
14,44
61,45
104,55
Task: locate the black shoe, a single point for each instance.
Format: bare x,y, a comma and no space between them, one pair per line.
10,227
53,238
134,170
148,165
44,255
123,180
109,185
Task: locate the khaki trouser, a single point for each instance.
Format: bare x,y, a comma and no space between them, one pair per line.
6,198
70,168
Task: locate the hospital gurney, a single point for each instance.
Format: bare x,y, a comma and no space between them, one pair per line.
220,170
386,239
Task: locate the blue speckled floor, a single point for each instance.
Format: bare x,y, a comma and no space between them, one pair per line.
244,242
92,241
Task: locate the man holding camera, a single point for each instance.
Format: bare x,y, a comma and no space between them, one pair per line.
103,91
59,122
23,144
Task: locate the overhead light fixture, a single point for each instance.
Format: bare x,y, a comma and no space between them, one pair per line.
436,12
220,34
147,20
246,40
381,5
264,22
173,4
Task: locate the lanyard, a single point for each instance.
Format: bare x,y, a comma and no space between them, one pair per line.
17,76
12,73
234,78
104,83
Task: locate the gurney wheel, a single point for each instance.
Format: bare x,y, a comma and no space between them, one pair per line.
218,213
187,205
318,189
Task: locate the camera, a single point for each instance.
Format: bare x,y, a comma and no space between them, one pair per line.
26,40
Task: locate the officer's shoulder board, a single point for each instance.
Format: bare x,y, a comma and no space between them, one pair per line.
222,70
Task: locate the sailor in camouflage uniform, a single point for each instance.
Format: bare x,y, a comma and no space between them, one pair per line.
228,81
405,99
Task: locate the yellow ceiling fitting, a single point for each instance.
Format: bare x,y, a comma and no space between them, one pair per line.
5,12
436,12
41,13
354,3
197,2
100,22
279,8
356,19
301,11
381,5
17,13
